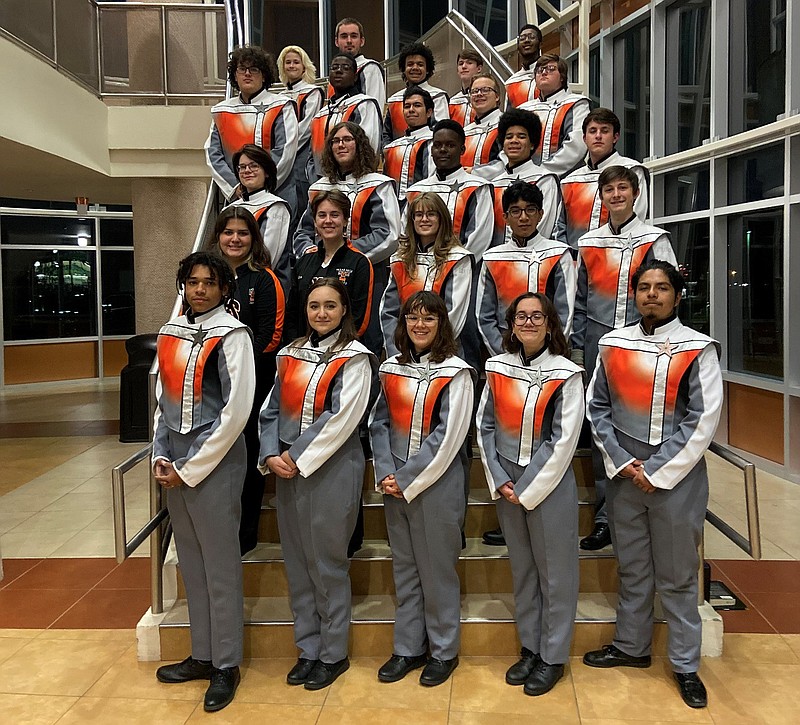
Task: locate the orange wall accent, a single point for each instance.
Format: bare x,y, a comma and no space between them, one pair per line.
114,357
50,361
755,421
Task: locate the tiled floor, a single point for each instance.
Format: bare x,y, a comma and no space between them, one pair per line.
68,611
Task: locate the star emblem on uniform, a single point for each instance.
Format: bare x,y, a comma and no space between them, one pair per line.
629,244
425,374
538,378
326,357
666,348
199,336
536,257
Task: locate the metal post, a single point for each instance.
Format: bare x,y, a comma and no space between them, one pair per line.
156,540
751,503
165,74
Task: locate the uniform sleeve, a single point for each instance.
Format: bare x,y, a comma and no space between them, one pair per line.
684,448
441,108
565,281
238,379
438,450
268,431
275,228
390,312
554,455
578,338
489,171
350,396
215,158
311,104
551,204
305,235
373,83
487,310
285,133
642,204
360,289
369,118
161,449
387,132
662,249
265,312
560,228
457,293
477,232
598,407
572,150
496,475
382,458
382,214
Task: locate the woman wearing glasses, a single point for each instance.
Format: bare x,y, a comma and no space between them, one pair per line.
417,431
429,257
529,419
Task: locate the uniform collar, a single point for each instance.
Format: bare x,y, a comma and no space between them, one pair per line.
324,341
534,359
489,116
449,175
200,319
604,161
422,357
622,226
665,327
528,241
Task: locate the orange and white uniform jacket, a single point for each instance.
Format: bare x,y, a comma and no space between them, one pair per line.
663,389
582,210
420,421
521,87
394,123
453,284
308,99
537,264
530,414
407,159
205,387
460,109
482,146
561,146
369,79
269,120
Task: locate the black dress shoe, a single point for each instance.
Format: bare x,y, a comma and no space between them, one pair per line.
543,678
220,692
521,671
324,674
437,671
397,667
300,672
610,656
598,539
494,537
693,691
189,669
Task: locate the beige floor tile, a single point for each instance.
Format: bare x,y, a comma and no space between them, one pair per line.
741,693
718,546
491,718
126,636
252,712
52,667
127,711
33,544
767,649
57,520
18,500
72,502
793,640
128,677
20,633
264,681
479,686
10,645
617,693
9,520
362,715
33,709
359,688
606,721
86,543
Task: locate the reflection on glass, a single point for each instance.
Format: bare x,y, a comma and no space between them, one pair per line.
117,287
48,294
686,190
116,232
690,240
632,90
757,175
47,231
755,293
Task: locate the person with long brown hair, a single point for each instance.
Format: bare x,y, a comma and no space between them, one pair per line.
529,420
310,441
417,431
429,257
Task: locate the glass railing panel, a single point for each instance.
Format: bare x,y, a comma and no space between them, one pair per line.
76,40
196,52
30,21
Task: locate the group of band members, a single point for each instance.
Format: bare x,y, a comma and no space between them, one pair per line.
517,235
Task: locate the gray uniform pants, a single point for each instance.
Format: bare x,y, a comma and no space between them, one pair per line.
656,537
594,331
316,517
205,520
425,538
543,550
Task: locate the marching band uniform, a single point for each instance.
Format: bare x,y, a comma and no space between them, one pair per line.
321,393
561,146
482,146
269,120
453,284
273,216
657,397
417,430
308,99
529,419
536,264
407,159
521,87
369,79
394,123
582,209
459,108
205,393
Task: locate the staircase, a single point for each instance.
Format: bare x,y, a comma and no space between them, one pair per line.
487,603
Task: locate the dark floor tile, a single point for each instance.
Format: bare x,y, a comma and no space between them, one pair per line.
34,608
133,573
780,610
106,609
748,620
762,576
14,568
80,574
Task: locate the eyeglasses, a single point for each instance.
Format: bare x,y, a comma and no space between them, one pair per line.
542,69
248,167
251,69
428,320
342,141
516,212
425,214
527,36
481,91
535,318
340,66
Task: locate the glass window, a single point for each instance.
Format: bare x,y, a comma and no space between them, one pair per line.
757,175
49,294
690,240
31,21
756,63
119,314
47,231
594,77
755,293
688,74
416,17
489,17
686,190
116,232
632,90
